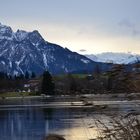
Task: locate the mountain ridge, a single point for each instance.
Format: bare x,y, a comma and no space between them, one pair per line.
115,58
23,51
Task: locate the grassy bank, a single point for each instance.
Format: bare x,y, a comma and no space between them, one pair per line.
16,94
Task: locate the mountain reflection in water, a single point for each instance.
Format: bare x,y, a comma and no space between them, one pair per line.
36,123
34,119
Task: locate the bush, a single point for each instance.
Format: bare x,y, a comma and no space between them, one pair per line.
122,128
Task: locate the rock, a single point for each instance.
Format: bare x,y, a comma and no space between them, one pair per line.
54,137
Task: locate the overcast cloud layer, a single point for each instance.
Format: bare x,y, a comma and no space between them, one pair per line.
94,26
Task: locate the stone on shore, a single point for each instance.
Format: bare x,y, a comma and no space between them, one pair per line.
54,137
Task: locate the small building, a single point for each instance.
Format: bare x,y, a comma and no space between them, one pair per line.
32,85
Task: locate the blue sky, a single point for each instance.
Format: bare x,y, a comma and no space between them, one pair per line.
92,26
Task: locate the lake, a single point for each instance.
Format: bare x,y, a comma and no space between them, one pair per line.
33,119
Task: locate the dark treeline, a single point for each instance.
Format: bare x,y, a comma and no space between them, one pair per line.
27,75
117,80
14,82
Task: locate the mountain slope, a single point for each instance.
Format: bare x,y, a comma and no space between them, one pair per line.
23,51
116,58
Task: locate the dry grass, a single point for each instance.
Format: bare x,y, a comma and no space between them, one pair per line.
121,128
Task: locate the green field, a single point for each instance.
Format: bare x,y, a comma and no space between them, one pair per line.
16,94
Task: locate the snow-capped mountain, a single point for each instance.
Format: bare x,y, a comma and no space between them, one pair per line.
23,51
116,58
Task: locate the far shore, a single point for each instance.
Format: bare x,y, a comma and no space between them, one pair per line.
97,101
28,95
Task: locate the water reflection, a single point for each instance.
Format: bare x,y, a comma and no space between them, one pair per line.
36,123
22,124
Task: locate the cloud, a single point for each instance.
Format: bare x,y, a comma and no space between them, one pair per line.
130,26
82,50
136,32
126,23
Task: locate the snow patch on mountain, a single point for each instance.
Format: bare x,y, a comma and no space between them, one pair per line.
10,64
116,58
6,32
45,60
85,61
3,62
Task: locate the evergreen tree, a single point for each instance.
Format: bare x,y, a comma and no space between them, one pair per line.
15,77
47,86
72,83
97,70
21,76
114,77
27,76
3,75
33,75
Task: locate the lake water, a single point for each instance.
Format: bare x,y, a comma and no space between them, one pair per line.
36,122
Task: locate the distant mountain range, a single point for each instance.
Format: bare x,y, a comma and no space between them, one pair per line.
23,51
116,58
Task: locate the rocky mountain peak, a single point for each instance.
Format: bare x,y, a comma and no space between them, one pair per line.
27,51
21,35
35,37
5,32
